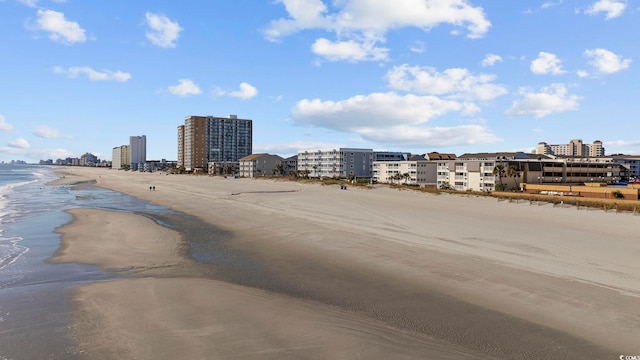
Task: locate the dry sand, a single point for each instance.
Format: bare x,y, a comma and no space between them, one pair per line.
375,273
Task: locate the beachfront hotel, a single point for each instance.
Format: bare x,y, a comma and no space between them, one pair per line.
137,151
206,142
573,148
120,157
132,156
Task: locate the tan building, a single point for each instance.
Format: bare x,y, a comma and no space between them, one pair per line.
120,157
573,148
209,139
260,164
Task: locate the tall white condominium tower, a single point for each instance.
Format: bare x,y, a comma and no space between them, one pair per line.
137,150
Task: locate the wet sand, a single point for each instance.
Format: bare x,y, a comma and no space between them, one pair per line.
442,276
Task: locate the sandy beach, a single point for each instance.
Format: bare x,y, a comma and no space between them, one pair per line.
361,273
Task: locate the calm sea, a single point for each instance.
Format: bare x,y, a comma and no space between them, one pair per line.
35,306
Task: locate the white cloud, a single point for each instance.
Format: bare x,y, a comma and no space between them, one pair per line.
456,83
550,4
4,125
162,31
55,154
377,110
491,59
418,47
360,25
582,73
19,143
547,63
21,148
293,147
245,92
29,3
621,143
351,50
94,75
47,132
549,100
605,61
305,14
409,136
392,119
59,28
184,87
612,8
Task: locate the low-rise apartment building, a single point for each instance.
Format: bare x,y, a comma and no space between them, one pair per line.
344,162
464,175
410,172
338,163
477,172
260,165
289,165
630,163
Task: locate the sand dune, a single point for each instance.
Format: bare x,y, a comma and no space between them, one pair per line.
451,274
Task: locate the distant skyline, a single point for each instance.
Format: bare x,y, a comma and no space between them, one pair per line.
452,76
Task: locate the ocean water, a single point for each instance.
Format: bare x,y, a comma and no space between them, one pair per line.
35,296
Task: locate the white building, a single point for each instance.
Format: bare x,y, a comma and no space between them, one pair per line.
463,175
137,151
340,163
418,172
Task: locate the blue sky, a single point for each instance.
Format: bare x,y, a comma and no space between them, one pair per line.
453,76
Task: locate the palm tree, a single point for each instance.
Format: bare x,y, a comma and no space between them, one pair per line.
512,171
500,172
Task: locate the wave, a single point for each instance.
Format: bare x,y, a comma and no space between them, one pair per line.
7,188
14,205
11,251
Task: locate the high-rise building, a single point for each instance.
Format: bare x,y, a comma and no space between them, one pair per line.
574,148
137,150
120,157
88,159
180,145
209,139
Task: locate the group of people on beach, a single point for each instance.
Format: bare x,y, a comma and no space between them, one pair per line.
152,188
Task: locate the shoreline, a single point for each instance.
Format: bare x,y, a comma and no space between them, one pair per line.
333,239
